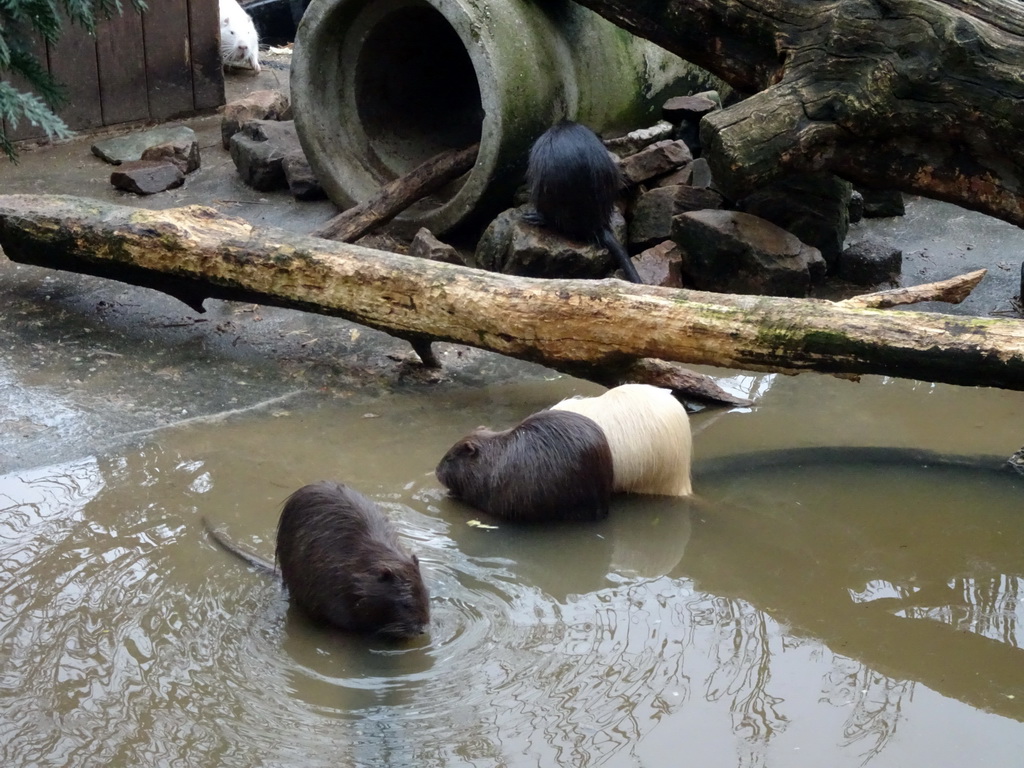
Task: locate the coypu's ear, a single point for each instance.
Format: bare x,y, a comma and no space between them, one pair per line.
469,448
385,574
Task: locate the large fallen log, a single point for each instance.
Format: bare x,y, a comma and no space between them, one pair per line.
918,95
569,325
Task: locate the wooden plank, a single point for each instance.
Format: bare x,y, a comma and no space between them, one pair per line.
73,64
25,129
121,57
207,70
168,60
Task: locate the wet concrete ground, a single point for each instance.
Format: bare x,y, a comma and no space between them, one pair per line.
86,363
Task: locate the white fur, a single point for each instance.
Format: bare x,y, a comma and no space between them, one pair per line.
239,43
648,431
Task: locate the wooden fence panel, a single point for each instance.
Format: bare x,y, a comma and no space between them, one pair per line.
161,64
124,91
168,58
73,63
207,69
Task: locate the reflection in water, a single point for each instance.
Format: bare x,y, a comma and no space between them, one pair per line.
743,671
875,702
988,606
809,612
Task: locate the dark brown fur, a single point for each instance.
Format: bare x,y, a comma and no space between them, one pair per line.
342,562
343,565
553,465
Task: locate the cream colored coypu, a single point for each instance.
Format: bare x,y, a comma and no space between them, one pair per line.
648,432
239,41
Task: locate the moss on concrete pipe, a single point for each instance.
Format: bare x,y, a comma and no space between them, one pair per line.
379,86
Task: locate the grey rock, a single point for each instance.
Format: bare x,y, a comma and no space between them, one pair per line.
656,160
682,175
147,177
882,203
654,210
125,149
713,95
691,108
280,132
515,246
734,252
302,182
701,174
870,263
259,163
856,207
258,105
425,246
258,151
634,141
814,207
660,265
185,155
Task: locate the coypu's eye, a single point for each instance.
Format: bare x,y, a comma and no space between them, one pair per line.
386,575
470,449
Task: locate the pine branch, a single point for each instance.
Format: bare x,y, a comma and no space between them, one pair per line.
29,67
20,20
16,105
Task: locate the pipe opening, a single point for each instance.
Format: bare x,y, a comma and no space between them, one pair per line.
416,90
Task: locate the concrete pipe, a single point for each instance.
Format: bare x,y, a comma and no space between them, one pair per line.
379,86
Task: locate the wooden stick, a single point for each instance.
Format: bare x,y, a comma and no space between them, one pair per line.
952,291
395,196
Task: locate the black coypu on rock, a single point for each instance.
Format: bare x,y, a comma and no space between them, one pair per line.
573,183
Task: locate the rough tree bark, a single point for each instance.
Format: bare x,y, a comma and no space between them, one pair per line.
919,95
394,197
576,326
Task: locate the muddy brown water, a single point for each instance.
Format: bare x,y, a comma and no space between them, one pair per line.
817,607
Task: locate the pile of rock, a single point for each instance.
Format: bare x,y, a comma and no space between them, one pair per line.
259,132
151,161
778,241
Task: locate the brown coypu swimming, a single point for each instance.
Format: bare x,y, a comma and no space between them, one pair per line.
552,466
573,183
341,560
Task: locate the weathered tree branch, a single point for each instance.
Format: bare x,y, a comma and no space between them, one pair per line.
952,291
395,196
565,324
918,95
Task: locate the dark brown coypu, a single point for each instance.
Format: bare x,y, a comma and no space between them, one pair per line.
573,183
552,466
341,560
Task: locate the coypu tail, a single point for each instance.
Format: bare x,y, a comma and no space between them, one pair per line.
260,563
609,241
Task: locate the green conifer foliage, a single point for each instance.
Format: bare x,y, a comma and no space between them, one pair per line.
20,22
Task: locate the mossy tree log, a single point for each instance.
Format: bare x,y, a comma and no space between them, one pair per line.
918,95
578,326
